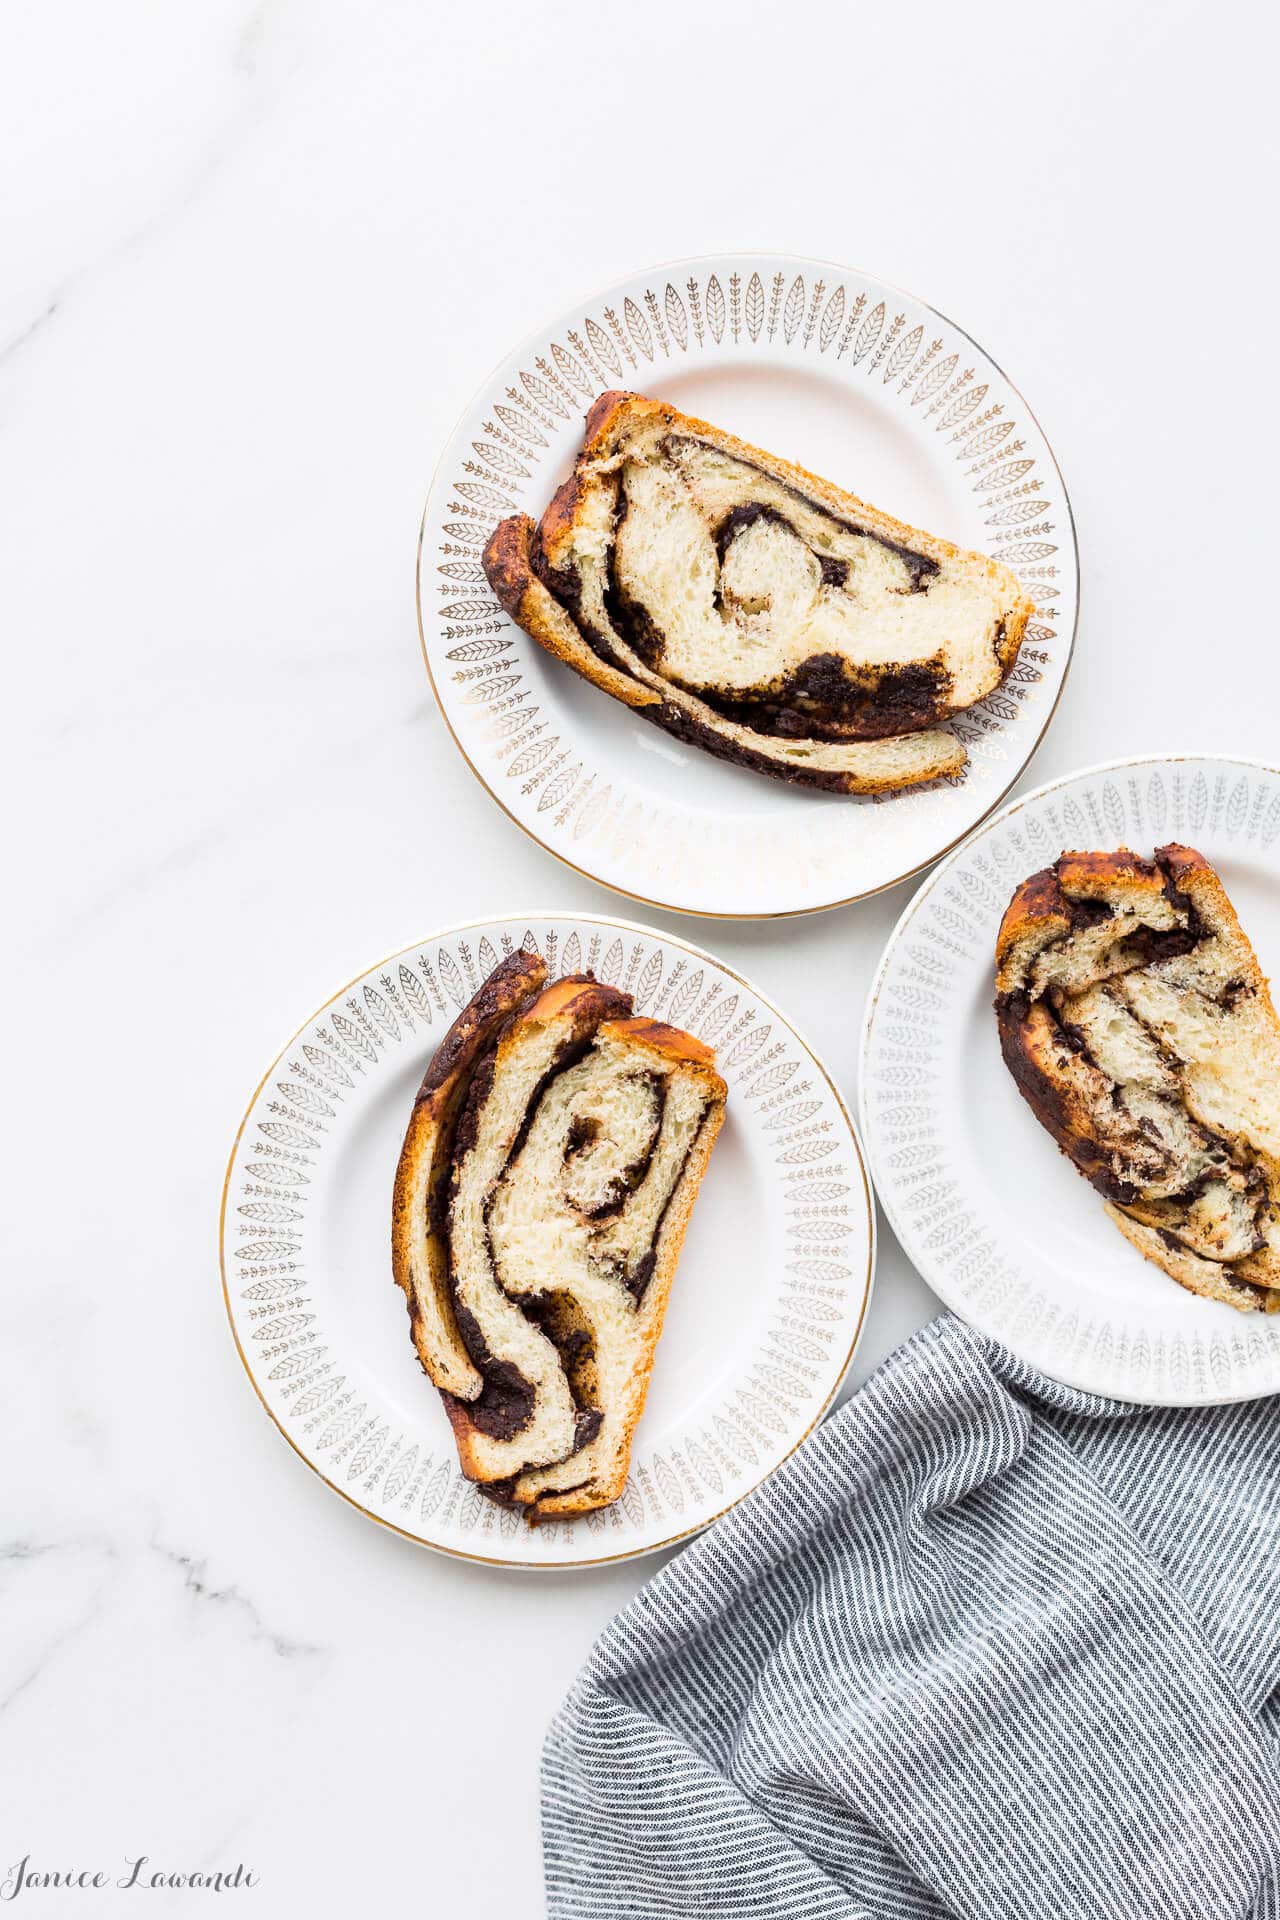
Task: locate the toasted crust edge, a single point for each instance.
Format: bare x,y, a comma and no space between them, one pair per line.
508,564
1205,1277
1026,1045
1040,908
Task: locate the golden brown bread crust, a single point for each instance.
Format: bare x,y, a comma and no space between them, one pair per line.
1136,918
1040,905
673,1041
508,565
1061,1089
555,529
419,1255
582,997
1208,1278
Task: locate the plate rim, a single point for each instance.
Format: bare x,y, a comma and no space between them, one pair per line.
868,1189
570,313
921,1264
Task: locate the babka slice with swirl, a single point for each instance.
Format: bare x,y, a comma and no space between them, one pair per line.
1138,1026
755,610
545,1184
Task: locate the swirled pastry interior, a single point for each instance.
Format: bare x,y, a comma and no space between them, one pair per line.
755,610
1139,1027
545,1184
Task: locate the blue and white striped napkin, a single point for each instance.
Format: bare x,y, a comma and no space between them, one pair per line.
985,1646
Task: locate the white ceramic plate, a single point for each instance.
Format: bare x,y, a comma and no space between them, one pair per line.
996,1219
764,1315
856,381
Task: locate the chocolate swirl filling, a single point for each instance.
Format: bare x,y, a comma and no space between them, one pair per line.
754,610
566,1157
1121,1014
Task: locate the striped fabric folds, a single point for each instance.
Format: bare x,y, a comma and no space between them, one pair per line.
985,1646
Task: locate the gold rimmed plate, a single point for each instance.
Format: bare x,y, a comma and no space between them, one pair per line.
855,380
768,1302
992,1215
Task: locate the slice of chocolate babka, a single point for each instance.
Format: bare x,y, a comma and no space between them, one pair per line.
546,1180
755,610
1136,1021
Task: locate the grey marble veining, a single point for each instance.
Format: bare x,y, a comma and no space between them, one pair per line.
255,261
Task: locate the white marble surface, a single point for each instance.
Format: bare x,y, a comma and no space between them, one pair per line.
255,259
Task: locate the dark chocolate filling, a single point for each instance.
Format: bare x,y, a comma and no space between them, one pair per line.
556,1314
1145,946
824,697
673,719
738,519
637,1281
1166,944
1088,913
504,1406
501,1492
505,1403
918,565
627,616
584,1130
